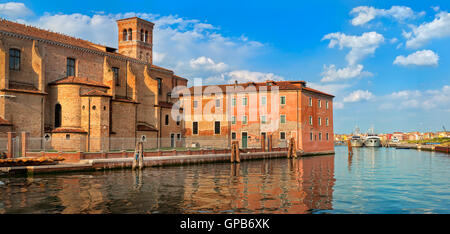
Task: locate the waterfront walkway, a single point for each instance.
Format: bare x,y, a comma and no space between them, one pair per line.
120,163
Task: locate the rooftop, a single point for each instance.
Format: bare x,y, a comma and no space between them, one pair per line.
282,85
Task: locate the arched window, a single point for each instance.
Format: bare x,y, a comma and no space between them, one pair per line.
124,35
146,36
130,35
142,35
58,115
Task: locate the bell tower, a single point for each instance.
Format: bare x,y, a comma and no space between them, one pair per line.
136,38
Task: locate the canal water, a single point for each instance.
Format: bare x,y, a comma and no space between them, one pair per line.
374,180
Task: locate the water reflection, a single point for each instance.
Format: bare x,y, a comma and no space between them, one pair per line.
265,186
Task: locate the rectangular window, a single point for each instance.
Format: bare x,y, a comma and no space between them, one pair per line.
282,136
159,85
311,136
178,136
283,100
233,119
233,136
166,122
244,119
70,67
319,103
217,127
283,119
195,128
195,104
327,136
178,120
320,136
263,101
115,71
263,119
326,104
310,101
217,102
320,121
326,121
14,59
233,102
244,101
310,120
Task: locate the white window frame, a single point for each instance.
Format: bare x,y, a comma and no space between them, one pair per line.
246,101
246,120
281,119
265,100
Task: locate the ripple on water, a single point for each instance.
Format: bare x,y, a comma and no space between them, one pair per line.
372,181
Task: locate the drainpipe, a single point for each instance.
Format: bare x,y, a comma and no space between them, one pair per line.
89,126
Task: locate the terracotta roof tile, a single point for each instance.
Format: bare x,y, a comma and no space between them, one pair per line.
96,93
9,26
282,85
78,80
316,91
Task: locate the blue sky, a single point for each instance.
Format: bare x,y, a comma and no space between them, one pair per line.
387,62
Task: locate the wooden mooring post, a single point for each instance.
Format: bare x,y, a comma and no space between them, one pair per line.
350,149
138,161
292,151
235,152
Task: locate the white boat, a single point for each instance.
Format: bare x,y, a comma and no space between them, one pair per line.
372,141
356,141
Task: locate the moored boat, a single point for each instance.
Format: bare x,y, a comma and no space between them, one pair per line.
372,141
356,141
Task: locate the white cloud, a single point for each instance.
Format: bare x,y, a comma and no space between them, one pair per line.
207,64
360,46
406,94
393,40
331,74
364,14
438,28
251,76
359,95
415,99
419,58
14,10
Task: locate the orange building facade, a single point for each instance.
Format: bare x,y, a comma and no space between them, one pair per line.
251,113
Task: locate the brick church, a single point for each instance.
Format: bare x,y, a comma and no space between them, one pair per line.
85,96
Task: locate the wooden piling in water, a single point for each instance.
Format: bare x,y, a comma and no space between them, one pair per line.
235,152
291,149
350,149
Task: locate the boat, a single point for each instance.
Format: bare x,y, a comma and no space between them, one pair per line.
372,140
356,141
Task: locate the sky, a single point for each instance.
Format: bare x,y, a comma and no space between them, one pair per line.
386,62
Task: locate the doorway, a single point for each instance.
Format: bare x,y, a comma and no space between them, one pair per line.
244,140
